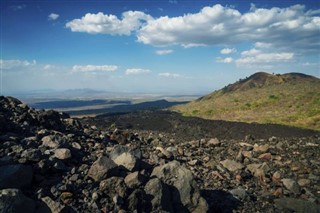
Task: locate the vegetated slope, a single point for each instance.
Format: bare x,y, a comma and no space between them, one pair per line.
290,99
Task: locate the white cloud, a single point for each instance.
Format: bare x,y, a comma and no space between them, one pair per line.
136,71
256,57
262,45
164,52
109,24
94,68
173,2
53,16
18,7
218,25
169,75
48,67
10,64
227,60
226,51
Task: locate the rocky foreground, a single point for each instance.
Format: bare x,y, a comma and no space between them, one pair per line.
52,163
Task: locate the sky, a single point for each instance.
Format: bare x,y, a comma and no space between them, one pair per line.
149,46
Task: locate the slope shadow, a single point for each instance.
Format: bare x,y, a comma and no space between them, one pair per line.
220,201
128,107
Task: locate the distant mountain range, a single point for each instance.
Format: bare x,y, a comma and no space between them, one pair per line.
290,99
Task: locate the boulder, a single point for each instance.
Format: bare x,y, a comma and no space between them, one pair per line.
102,168
127,160
14,201
134,180
62,153
183,188
158,195
113,186
15,176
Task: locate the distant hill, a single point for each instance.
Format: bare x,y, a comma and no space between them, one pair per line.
290,99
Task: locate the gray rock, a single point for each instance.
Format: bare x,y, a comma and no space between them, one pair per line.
127,160
51,141
291,185
239,192
32,154
15,176
113,186
184,190
158,195
55,207
214,142
297,205
134,180
136,201
119,149
231,165
102,168
257,169
62,153
14,201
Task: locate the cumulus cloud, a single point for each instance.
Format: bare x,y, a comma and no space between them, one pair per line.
164,52
94,68
53,16
109,24
11,64
256,57
218,25
169,75
136,71
225,60
226,51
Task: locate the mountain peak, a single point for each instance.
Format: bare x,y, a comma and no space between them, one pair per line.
262,79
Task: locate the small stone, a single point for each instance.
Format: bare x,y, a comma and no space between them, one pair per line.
239,192
291,185
54,206
50,141
66,197
193,162
258,170
206,159
247,154
231,165
265,156
94,196
214,142
278,192
76,145
62,153
261,148
166,153
304,182
276,176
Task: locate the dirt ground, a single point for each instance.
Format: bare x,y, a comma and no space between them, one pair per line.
190,128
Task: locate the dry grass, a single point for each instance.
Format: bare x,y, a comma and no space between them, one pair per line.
295,104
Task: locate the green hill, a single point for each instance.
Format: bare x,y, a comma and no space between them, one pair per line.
290,99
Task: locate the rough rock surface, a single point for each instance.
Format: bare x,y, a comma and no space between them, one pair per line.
167,171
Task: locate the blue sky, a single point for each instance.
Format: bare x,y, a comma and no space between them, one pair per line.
172,47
